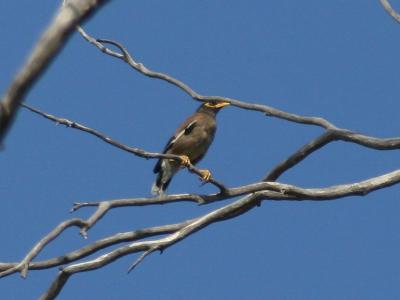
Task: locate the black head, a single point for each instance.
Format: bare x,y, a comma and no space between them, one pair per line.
212,107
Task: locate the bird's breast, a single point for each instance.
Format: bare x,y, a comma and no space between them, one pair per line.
200,141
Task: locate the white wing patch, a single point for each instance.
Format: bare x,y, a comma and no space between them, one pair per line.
183,131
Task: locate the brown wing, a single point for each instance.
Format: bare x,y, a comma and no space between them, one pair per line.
184,129
195,140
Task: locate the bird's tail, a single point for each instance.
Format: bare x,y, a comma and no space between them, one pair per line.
159,186
157,189
165,173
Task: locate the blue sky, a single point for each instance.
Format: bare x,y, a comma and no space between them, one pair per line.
337,60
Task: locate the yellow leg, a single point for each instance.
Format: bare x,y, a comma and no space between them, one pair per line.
185,161
205,175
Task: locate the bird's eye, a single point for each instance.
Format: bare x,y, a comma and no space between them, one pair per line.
210,104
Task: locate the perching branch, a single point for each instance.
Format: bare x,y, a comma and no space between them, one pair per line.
294,159
133,150
272,191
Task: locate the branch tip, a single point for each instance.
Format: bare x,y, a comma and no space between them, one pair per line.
140,259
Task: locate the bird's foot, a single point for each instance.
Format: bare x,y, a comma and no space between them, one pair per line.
185,161
205,175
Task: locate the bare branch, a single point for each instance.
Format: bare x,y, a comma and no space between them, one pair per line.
361,188
56,287
272,191
97,246
327,137
141,258
24,264
100,135
161,200
46,49
299,155
389,9
125,56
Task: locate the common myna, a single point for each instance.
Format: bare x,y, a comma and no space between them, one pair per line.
191,141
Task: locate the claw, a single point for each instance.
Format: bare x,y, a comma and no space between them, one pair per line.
205,175
185,161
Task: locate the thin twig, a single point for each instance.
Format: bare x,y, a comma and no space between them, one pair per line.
140,259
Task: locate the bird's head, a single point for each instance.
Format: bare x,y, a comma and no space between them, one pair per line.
212,106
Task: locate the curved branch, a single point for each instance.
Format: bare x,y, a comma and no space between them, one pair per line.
327,137
269,111
299,155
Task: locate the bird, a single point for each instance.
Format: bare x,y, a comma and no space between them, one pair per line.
191,142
